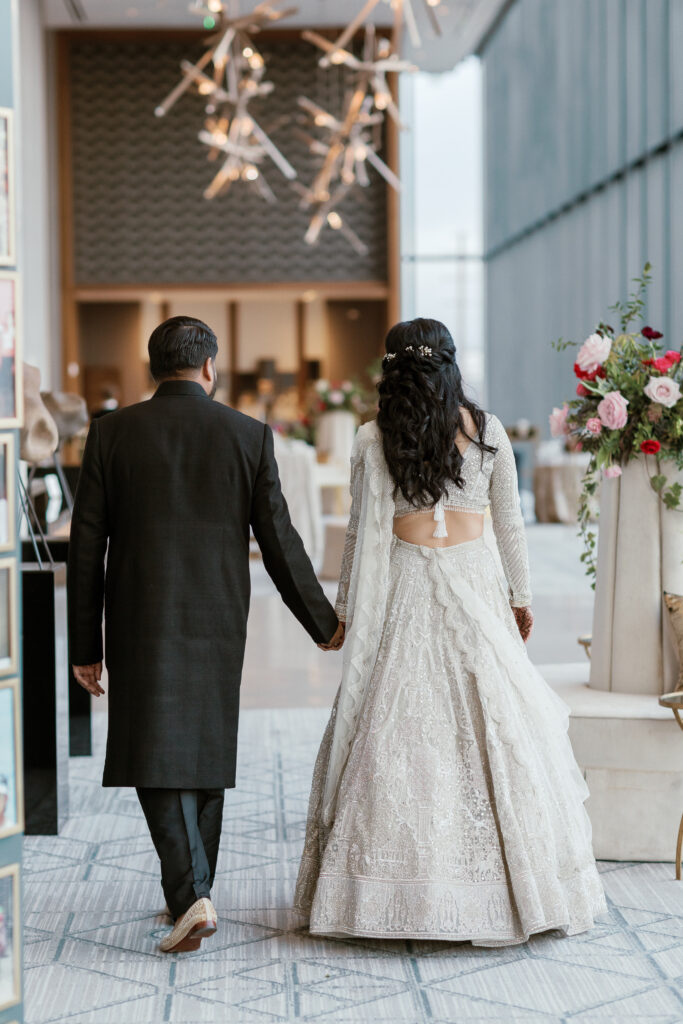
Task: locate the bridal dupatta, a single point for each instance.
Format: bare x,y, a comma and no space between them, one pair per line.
366,602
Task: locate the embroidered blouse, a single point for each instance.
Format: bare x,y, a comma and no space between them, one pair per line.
490,480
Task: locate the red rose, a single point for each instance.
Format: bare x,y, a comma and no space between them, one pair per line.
581,391
665,362
593,375
651,335
650,447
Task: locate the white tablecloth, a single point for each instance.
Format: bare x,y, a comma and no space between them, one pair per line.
298,466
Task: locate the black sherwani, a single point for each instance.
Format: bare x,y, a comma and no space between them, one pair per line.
172,486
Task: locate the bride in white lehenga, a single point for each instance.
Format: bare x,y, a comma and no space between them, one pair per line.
446,801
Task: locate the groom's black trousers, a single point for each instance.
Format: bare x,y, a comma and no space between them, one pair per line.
186,829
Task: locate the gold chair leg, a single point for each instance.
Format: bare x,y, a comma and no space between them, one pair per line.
679,850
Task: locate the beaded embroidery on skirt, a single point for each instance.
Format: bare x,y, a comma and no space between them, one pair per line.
459,813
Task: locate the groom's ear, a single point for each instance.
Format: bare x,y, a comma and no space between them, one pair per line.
208,369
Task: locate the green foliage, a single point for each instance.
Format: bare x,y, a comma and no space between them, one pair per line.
634,307
590,483
560,345
672,496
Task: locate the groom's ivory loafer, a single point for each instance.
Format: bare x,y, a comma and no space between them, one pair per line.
196,924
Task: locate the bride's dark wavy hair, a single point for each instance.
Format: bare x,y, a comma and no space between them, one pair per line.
421,399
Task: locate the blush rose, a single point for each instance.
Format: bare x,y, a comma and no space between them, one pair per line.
558,421
663,390
612,410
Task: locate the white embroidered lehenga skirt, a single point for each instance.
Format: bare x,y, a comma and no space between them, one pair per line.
460,812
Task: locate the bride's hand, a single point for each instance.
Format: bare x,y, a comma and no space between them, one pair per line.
524,618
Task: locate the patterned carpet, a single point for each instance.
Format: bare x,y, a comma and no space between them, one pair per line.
91,931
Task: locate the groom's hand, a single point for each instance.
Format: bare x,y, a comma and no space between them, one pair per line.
337,640
89,677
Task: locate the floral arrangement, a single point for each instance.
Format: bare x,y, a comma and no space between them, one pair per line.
628,404
301,429
338,396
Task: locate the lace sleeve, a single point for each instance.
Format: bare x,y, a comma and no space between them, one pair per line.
508,524
357,469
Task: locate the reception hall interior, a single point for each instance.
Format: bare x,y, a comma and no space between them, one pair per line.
301,177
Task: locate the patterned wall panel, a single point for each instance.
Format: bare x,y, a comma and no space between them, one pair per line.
140,215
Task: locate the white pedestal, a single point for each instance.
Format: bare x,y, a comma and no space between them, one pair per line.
336,434
632,648
631,753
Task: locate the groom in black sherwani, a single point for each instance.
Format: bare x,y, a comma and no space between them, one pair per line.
168,492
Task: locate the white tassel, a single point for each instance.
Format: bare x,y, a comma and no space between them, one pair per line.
440,520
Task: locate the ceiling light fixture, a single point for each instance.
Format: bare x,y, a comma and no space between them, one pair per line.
230,75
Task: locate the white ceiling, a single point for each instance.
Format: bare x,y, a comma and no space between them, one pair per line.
464,22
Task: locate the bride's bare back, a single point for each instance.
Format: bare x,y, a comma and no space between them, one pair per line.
461,526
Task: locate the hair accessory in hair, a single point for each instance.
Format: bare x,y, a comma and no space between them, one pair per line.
424,350
390,355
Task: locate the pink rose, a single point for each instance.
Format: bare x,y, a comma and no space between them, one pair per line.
612,471
594,425
612,410
663,390
593,352
558,421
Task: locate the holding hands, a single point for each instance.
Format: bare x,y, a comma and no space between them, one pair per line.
335,644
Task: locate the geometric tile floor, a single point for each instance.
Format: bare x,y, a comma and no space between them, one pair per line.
92,897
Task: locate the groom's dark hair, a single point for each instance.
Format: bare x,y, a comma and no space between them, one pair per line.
180,343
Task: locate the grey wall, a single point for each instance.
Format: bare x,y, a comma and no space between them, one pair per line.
584,178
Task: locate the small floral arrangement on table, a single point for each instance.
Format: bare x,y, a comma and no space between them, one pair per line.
628,404
338,396
301,429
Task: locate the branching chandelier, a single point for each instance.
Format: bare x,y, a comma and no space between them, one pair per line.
230,74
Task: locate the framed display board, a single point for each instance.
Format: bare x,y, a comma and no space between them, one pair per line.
8,256
8,538
9,639
11,392
10,936
11,788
